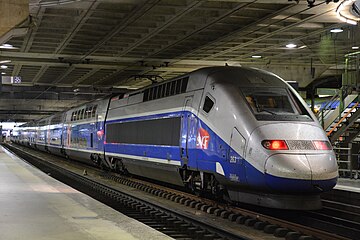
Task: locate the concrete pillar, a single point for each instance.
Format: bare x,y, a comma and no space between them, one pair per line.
12,13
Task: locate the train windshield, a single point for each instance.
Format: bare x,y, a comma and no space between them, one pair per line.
274,104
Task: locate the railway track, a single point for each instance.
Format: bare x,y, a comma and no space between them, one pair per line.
270,222
168,221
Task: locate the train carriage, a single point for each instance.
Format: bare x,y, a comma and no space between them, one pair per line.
83,130
242,133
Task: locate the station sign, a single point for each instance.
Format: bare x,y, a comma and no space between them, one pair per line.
11,79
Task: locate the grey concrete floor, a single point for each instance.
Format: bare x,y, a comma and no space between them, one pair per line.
346,184
36,206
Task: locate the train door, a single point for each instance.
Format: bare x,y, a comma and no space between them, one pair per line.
98,130
68,135
236,153
185,129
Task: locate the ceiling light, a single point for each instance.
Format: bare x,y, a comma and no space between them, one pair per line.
7,46
3,67
336,30
3,73
355,48
291,45
5,61
256,56
303,46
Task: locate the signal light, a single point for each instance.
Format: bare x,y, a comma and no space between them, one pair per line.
275,144
322,145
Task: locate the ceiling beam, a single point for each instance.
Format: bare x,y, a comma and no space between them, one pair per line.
29,38
275,46
39,74
29,112
173,19
50,96
133,16
265,36
65,74
82,20
60,90
211,23
87,75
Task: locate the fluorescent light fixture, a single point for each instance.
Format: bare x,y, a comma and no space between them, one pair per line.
5,61
355,48
7,46
256,56
291,45
3,73
301,47
336,30
128,87
3,67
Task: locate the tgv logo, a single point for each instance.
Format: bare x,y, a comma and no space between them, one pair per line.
203,139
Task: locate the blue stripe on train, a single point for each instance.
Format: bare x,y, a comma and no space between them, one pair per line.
205,159
201,159
288,185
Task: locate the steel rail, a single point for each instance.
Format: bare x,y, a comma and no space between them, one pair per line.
193,227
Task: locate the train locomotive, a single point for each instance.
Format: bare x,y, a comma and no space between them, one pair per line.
241,133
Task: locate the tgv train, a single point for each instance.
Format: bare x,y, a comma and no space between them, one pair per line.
239,132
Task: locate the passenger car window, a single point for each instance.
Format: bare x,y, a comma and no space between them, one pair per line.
78,114
208,104
93,112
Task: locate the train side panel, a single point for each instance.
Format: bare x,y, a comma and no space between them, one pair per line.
151,137
83,132
55,129
42,134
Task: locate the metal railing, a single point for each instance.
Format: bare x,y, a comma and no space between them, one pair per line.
326,110
342,119
346,162
329,115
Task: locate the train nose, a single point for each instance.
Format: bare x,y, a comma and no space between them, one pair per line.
300,173
288,173
324,170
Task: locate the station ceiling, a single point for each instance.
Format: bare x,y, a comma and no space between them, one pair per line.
75,51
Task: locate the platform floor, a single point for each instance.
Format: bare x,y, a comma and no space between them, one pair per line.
36,206
346,184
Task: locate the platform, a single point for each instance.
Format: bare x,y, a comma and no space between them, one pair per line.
36,206
346,184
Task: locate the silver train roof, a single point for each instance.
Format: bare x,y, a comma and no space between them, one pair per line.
238,76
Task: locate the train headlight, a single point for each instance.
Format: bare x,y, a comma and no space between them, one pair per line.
275,144
322,145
